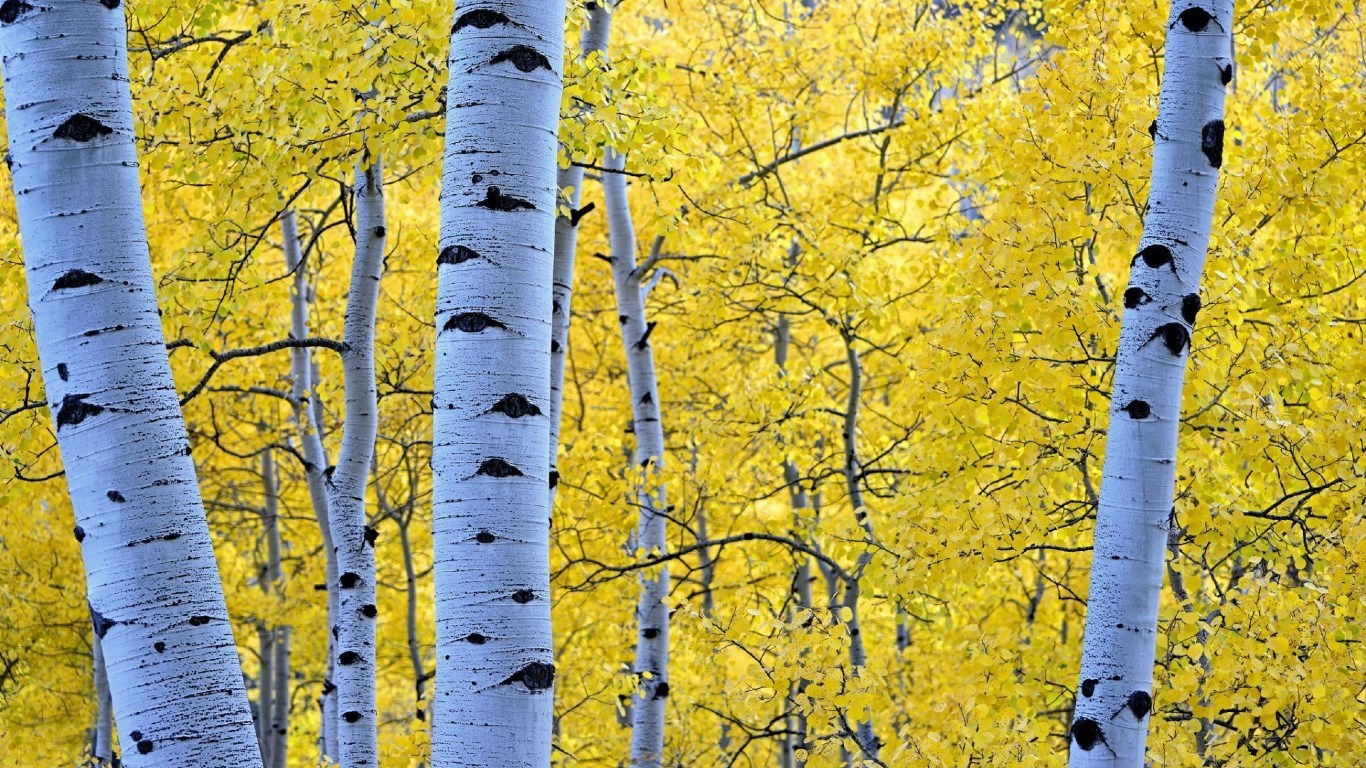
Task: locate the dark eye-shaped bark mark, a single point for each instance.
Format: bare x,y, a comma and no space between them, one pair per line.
577,214
456,254
523,596
199,621
647,399
662,691
75,409
1087,733
115,497
351,717
645,337
101,623
650,633
1138,409
1212,142
515,406
371,536
524,58
347,658
472,322
554,479
145,746
1195,18
1088,687
349,580
80,533
555,346
380,232
1156,256
495,200
536,676
497,467
474,638
1174,337
484,537
12,10
1152,130
76,278
1139,703
480,19
62,371
1134,297
110,4
1190,307
1226,74
369,611
159,647
82,128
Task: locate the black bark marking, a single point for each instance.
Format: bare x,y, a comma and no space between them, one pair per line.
347,658
380,232
475,178
480,19
145,746
369,611
1212,142
371,536
472,322
1138,409
199,621
159,646
115,497
1175,337
662,691
554,346
1134,297
579,213
645,337
497,467
1139,702
554,479
536,676
1152,130
1088,687
1195,18
349,580
456,254
495,200
12,10
62,371
515,406
646,399
650,633
523,596
623,318
1190,307
484,537
74,410
79,533
76,278
100,623
135,735
81,128
110,4
476,638
523,57
351,716
1087,733
1157,256
1226,74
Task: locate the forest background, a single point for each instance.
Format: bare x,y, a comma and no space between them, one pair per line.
942,201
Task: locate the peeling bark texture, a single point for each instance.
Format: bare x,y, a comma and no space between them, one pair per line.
308,425
1110,725
354,671
494,699
652,613
102,751
119,427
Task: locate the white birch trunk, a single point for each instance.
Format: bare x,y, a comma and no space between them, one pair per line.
490,463
103,749
652,614
307,423
1114,699
152,583
853,470
801,577
279,714
268,634
352,538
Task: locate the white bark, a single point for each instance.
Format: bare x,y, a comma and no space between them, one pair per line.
268,634
352,538
1114,699
491,513
308,425
152,582
652,614
103,748
279,713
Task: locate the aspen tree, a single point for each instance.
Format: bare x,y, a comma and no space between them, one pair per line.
1115,696
152,583
102,747
490,463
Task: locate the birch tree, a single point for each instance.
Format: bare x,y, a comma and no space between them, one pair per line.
155,598
490,464
1115,696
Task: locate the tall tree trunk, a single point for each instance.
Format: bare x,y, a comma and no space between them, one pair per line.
279,715
308,425
853,478
1114,698
103,748
353,538
490,463
796,739
152,583
268,633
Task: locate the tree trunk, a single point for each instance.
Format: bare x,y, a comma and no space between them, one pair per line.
1114,699
490,462
152,583
103,749
279,714
353,538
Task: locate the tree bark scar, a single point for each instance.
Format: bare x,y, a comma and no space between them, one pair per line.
74,410
1195,18
1174,336
524,58
1135,297
76,278
536,676
515,406
479,19
1087,733
12,10
1212,142
472,322
456,254
495,200
1190,307
1156,256
1138,409
82,128
497,467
